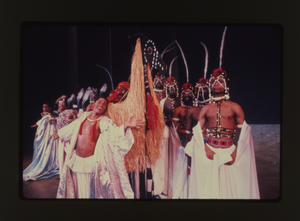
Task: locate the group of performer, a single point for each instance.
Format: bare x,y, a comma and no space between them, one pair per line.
192,143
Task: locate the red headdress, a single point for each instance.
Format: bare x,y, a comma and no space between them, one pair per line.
186,87
203,81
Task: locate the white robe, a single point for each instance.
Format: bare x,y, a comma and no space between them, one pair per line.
165,169
109,178
211,179
44,161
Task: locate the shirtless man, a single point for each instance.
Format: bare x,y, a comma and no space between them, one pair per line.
221,116
90,146
179,116
172,101
221,168
192,115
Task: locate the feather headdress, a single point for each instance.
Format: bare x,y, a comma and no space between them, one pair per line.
70,101
63,97
222,46
103,89
86,95
79,96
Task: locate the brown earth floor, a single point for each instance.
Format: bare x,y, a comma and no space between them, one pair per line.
267,163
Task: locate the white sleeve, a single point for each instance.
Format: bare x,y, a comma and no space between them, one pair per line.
67,131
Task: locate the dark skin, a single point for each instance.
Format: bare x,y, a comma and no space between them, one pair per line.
85,146
46,108
192,116
168,112
231,114
181,111
123,91
159,95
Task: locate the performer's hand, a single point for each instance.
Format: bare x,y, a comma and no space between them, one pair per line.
209,152
55,136
35,125
233,155
134,123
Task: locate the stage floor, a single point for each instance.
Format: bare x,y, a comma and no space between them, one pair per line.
267,152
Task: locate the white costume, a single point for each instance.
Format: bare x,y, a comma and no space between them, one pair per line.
211,179
63,145
165,168
44,161
102,175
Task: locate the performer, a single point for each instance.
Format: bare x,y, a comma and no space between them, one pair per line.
94,165
220,168
180,113
158,84
192,114
44,163
64,117
93,97
163,170
120,93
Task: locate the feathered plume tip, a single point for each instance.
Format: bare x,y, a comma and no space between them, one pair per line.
222,46
79,96
70,101
111,81
63,97
86,95
184,60
206,59
103,89
171,64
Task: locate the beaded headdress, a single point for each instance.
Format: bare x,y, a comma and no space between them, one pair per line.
219,73
186,88
202,83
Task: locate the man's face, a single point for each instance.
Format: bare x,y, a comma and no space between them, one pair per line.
100,106
46,108
61,106
121,91
217,84
187,96
172,90
205,93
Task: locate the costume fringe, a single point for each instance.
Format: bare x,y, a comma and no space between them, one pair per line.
153,144
134,104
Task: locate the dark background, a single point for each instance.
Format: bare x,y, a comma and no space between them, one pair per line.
236,12
59,59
